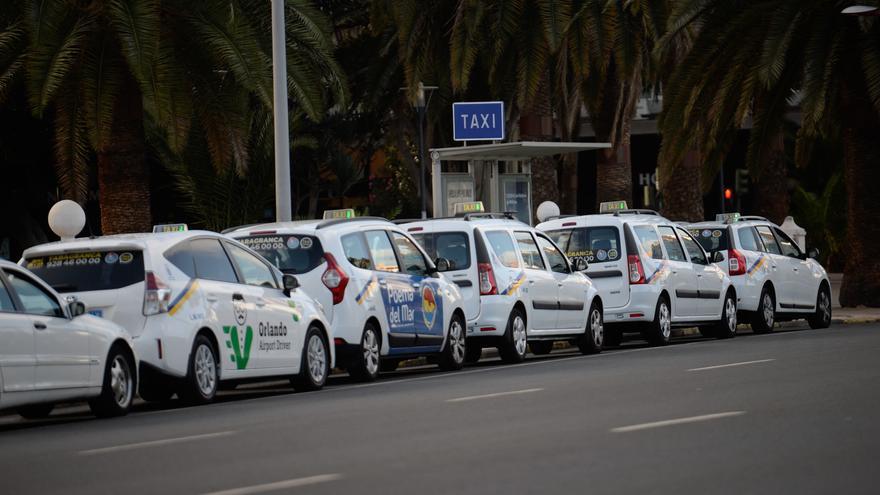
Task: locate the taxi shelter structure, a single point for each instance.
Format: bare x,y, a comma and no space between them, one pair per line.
499,174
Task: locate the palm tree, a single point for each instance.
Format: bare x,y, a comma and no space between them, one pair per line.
105,71
754,60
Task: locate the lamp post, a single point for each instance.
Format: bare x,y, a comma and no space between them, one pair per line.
279,91
421,105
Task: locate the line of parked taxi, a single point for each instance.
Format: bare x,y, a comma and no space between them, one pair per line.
187,313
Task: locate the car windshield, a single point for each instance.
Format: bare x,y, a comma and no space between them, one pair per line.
712,239
454,247
292,254
89,270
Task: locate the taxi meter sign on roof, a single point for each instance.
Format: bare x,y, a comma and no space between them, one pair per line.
727,217
469,207
337,214
170,227
609,206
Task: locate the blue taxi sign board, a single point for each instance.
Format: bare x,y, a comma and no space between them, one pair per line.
478,121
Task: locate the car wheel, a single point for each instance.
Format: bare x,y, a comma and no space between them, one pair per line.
594,334
203,374
36,411
315,363
118,389
764,319
366,369
726,327
541,347
514,343
452,357
660,330
472,352
822,317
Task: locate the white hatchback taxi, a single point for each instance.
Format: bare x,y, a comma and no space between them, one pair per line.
51,352
201,307
651,274
774,279
518,286
383,296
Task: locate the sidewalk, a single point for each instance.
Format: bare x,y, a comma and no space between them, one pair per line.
839,316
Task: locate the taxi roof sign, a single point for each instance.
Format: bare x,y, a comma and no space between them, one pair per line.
337,214
170,227
609,206
727,217
468,207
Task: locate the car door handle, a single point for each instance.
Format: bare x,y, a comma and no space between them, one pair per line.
39,325
237,297
795,269
261,302
531,282
211,298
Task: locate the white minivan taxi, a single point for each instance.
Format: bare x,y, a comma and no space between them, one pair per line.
651,274
384,298
774,279
202,309
519,288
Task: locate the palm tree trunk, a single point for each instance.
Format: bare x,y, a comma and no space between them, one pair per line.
611,124
536,124
682,190
123,173
771,186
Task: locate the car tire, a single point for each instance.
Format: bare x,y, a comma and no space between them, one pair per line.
119,385
660,330
822,317
726,326
366,368
314,365
453,354
35,411
765,318
203,374
541,347
472,352
594,334
514,342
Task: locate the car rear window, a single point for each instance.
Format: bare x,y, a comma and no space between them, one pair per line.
89,270
292,254
712,239
592,244
454,247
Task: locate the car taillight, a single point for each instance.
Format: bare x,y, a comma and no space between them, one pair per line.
157,295
636,272
334,278
736,262
487,280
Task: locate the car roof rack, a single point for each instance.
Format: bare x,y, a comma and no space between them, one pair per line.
485,215
753,218
558,217
640,211
337,221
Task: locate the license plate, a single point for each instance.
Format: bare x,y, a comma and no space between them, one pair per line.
97,312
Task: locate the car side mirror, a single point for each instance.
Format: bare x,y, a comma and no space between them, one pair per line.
813,253
76,308
290,283
579,265
442,264
717,257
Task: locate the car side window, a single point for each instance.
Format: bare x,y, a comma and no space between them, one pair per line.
650,242
768,240
382,251
253,270
182,257
789,248
211,262
410,257
693,248
748,239
529,250
6,304
34,299
557,260
502,245
673,246
356,251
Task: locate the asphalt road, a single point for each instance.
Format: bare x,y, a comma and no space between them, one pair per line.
790,412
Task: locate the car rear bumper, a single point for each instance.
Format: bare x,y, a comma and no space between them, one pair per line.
641,307
494,314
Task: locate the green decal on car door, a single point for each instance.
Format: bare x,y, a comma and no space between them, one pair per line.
241,351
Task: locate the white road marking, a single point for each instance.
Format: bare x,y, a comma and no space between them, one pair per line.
731,364
155,443
497,394
279,485
673,422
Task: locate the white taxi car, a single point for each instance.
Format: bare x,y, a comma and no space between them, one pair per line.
774,279
202,309
51,352
651,274
518,287
383,296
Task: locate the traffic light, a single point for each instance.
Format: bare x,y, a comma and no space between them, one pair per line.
728,193
742,181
